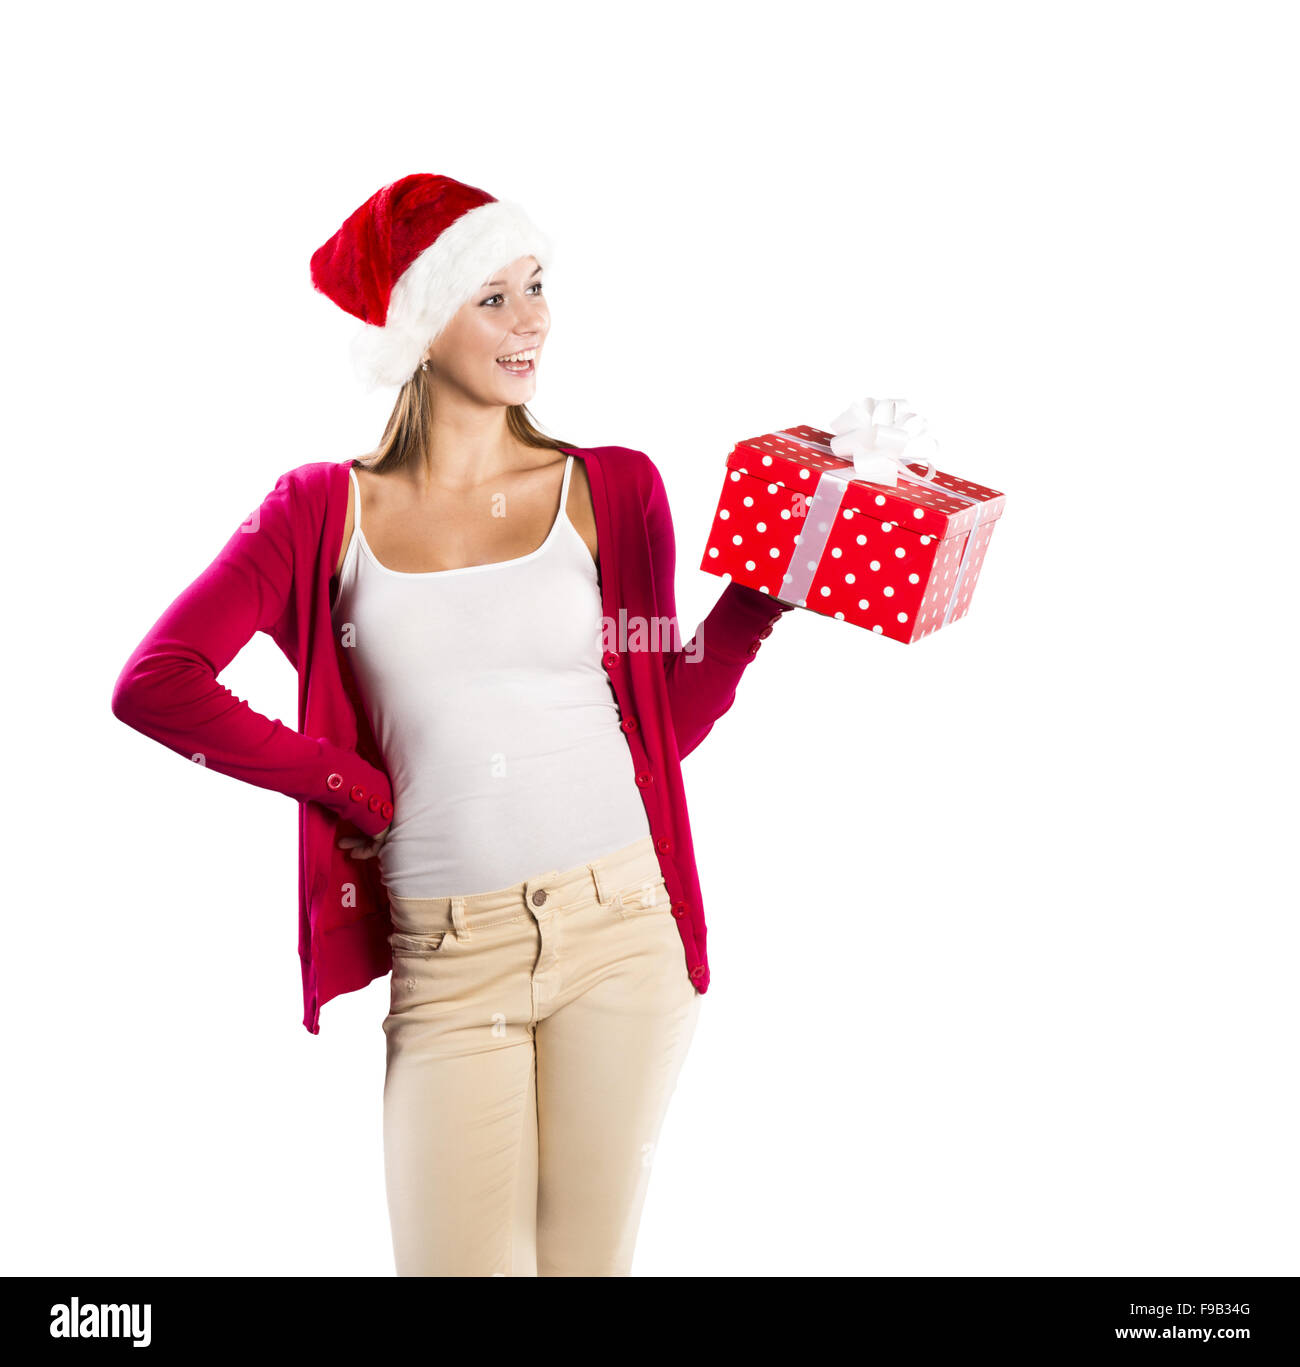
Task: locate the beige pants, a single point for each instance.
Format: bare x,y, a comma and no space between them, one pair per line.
534,1039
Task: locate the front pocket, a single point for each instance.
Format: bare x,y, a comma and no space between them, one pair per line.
651,894
403,942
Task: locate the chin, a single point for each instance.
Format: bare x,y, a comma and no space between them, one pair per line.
517,390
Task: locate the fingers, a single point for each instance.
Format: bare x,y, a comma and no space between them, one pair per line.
357,846
363,846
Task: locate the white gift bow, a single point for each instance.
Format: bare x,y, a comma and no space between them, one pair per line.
880,437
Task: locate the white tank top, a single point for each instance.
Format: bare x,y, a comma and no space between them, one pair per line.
496,720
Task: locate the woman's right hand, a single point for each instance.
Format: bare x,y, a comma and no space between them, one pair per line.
365,846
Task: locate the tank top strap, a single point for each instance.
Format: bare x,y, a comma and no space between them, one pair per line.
572,543
356,499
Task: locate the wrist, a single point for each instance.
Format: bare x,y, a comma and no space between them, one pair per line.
356,789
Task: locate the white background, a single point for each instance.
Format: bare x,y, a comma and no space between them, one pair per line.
1002,925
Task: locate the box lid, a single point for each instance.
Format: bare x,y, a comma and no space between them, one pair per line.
947,510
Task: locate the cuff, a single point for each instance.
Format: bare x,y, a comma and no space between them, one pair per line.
355,789
740,620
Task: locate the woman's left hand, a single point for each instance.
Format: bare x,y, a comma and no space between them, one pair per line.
365,846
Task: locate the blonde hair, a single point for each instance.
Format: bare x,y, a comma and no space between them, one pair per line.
407,430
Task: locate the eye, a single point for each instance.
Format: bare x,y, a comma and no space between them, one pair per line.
537,285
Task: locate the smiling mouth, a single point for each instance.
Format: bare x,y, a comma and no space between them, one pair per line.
519,362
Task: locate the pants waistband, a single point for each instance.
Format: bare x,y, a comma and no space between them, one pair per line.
603,875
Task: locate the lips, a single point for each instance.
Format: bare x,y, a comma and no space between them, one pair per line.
517,367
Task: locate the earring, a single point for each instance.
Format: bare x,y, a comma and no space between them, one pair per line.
424,365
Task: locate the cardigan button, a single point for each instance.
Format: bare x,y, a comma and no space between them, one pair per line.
357,793
334,781
610,659
697,971
644,777
387,809
679,908
628,723
753,649
767,631
663,844
374,802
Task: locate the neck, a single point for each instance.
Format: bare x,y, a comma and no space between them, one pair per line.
469,444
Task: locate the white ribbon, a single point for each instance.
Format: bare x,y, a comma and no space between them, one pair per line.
880,437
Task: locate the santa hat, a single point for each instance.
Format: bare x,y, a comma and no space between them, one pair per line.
409,257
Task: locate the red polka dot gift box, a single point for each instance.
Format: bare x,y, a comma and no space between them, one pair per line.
854,524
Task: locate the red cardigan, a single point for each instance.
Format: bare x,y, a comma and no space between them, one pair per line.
276,574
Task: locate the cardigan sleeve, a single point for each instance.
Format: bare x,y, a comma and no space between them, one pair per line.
703,674
168,687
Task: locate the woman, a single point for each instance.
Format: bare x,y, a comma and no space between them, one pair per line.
488,753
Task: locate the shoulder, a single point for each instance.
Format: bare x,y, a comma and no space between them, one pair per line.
316,475
298,502
629,470
310,486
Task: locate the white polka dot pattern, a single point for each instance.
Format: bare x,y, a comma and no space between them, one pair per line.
886,559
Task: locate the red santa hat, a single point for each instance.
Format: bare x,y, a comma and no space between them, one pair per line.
409,257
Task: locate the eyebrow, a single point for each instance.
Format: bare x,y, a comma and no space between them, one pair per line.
502,282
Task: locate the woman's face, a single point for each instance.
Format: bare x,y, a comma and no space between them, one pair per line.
507,315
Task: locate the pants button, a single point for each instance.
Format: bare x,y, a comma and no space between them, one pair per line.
539,897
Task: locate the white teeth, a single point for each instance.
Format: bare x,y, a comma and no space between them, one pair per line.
518,356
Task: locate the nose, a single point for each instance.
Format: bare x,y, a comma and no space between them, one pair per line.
531,320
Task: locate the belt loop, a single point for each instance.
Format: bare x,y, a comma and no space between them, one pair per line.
594,866
458,918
